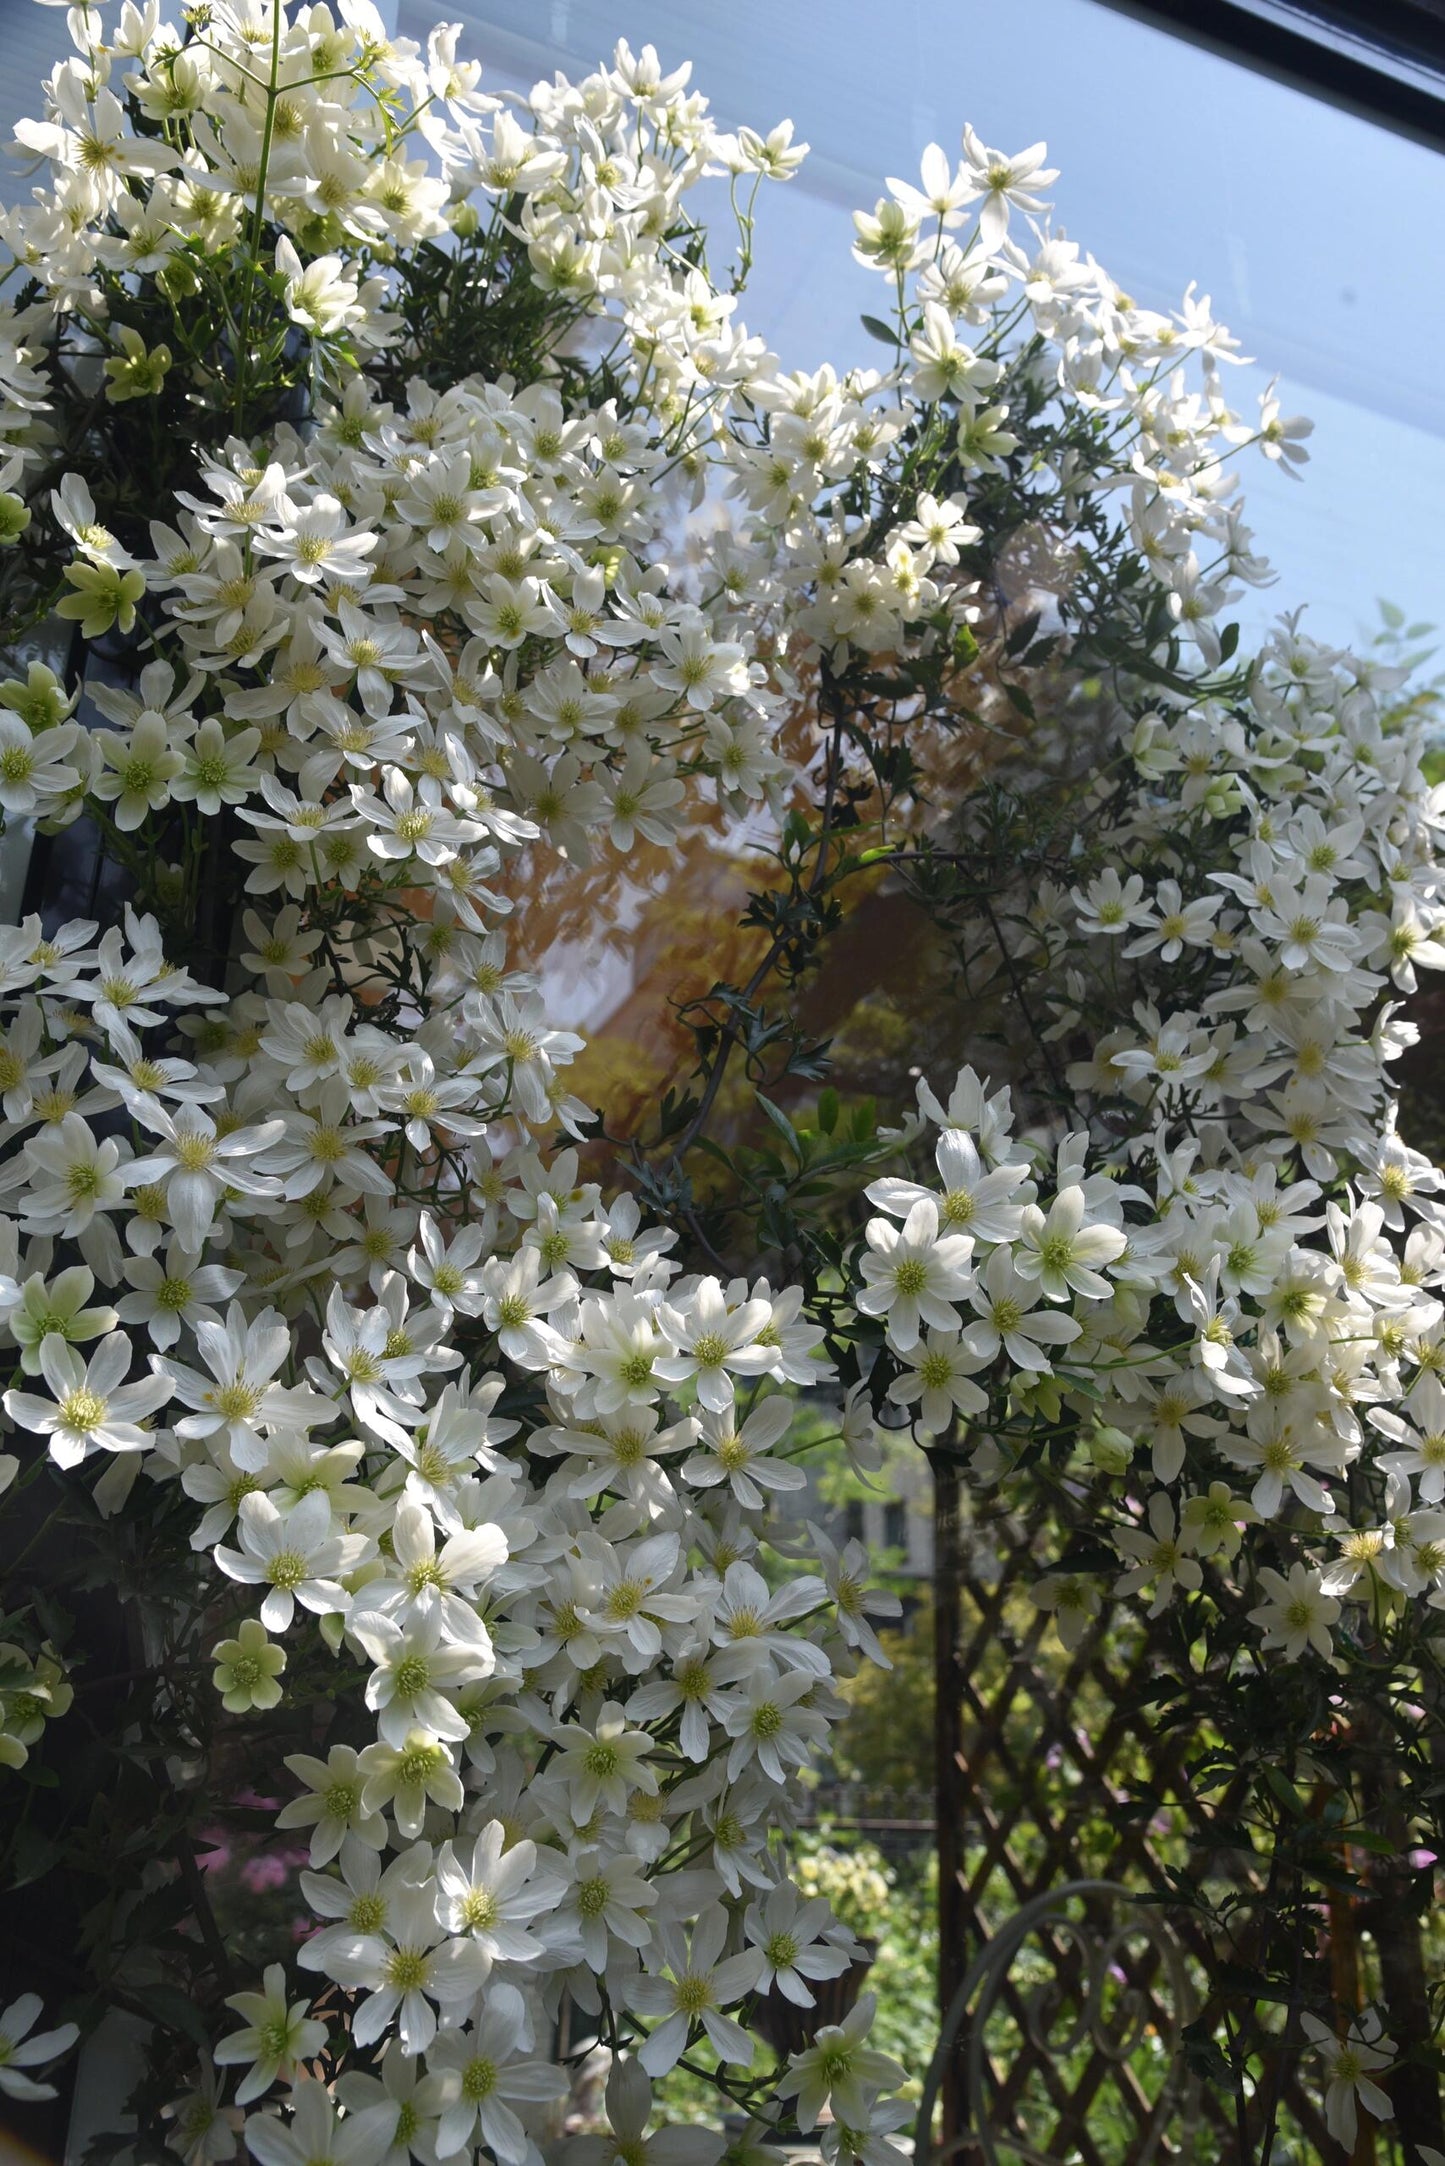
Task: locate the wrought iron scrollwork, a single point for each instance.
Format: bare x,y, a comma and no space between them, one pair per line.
1112,1980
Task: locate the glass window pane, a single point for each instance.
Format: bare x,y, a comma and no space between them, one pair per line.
1315,232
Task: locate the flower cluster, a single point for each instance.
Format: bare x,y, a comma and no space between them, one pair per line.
33,1691
1235,1267
297,1251
1296,1234
288,1230
575,1640
1269,1317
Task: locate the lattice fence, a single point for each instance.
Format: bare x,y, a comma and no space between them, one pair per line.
1061,1776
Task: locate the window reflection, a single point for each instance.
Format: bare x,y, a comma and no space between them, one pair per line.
1314,231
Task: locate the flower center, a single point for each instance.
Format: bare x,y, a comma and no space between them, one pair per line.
592,1898
82,1411
479,2080
416,1766
412,1676
275,2038
480,1909
237,1401
286,1570
694,1994
407,1968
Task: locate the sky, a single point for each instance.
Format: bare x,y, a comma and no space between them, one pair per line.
1315,232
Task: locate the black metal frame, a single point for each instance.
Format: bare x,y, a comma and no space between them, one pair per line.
1381,59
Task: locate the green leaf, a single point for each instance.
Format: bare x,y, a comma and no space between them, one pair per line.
1253,1984
1084,1554
1382,1846
796,833
1282,1789
828,1111
174,2011
1022,634
783,1125
675,1113
32,1856
876,328
157,1913
1335,1876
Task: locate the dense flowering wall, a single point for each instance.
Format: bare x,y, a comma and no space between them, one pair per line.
291,1243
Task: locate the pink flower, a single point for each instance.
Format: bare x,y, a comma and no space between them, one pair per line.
265,1872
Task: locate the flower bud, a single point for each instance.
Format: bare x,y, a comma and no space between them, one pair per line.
1110,1449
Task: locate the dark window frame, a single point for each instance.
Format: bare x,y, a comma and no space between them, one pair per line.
1381,59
